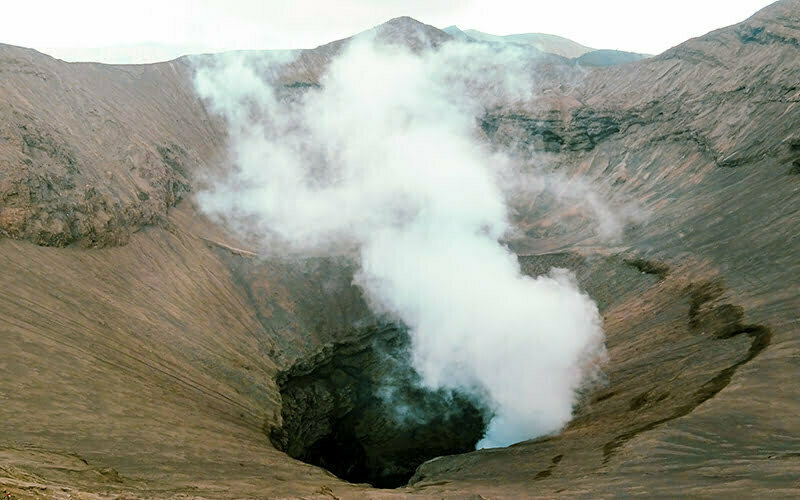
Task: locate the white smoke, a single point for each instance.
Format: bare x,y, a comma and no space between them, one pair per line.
384,159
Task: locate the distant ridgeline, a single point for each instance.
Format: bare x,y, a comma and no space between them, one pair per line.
551,45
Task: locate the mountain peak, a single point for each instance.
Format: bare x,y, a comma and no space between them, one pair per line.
403,20
408,31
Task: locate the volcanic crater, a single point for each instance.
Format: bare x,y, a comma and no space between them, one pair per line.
150,353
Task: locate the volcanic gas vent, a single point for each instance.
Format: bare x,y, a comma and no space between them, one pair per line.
357,409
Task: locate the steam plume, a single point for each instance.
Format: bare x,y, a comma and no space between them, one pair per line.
384,159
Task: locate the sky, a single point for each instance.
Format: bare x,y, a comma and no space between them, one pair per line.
151,30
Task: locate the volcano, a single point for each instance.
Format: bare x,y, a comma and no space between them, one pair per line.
150,351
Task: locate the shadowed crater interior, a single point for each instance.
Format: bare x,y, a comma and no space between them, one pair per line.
357,408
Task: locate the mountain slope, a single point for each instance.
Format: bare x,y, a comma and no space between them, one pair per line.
457,34
608,58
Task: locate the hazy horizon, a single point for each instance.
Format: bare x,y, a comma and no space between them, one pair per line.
150,31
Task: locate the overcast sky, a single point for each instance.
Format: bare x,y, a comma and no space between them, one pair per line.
142,30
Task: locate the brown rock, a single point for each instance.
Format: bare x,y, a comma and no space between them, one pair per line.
145,366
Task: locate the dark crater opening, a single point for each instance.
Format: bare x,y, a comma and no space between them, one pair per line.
357,408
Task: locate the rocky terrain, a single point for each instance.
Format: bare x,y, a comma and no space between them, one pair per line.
148,353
